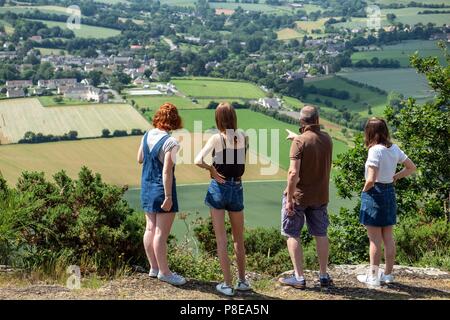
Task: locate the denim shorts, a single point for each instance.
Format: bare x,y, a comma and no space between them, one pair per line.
227,196
316,220
378,206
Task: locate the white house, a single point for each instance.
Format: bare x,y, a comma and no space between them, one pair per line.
270,103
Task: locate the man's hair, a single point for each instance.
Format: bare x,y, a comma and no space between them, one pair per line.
309,115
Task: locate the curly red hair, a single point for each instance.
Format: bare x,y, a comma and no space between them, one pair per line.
167,118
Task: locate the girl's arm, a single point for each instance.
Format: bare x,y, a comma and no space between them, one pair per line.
371,178
409,168
200,162
168,178
140,154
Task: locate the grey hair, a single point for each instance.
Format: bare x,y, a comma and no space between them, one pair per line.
309,114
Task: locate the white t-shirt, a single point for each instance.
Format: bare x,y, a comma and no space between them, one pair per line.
386,160
154,136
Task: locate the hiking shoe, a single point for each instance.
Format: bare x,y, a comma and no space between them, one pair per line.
325,282
293,282
225,289
243,285
173,279
371,282
386,278
153,273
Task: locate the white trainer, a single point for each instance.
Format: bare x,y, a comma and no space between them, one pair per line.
225,289
386,278
173,279
153,273
243,285
369,280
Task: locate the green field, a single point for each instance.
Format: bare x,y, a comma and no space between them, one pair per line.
406,81
292,102
212,88
403,51
45,9
262,201
248,119
376,100
153,102
9,29
48,51
85,31
47,101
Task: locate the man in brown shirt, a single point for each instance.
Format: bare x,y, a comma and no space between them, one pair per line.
306,195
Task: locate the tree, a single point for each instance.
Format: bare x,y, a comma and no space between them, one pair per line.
395,99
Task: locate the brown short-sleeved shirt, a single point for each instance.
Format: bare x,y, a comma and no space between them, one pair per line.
314,150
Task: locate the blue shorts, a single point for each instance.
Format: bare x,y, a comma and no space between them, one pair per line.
378,206
227,196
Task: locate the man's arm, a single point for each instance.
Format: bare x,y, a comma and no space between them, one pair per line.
292,179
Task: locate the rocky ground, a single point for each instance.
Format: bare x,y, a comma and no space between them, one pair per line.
411,283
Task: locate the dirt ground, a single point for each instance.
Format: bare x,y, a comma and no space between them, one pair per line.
411,283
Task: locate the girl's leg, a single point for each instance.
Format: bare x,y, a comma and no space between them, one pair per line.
148,240
375,238
389,248
163,225
237,227
218,220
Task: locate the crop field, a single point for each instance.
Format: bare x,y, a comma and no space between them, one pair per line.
113,158
262,201
9,29
153,102
406,81
49,51
288,33
45,9
375,100
311,25
292,102
17,116
248,119
403,51
85,31
211,88
47,101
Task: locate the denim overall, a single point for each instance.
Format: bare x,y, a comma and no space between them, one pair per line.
152,188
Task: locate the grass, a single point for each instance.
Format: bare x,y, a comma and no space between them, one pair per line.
153,102
248,119
9,29
48,51
262,201
308,26
85,31
376,100
292,102
211,88
406,81
45,9
403,51
47,101
288,33
17,116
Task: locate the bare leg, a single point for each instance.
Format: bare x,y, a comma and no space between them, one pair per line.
375,238
296,252
164,223
237,227
322,253
389,249
148,240
218,220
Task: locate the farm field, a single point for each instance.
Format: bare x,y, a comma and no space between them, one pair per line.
376,100
406,81
404,15
402,51
311,25
9,29
153,102
211,88
292,102
262,201
47,101
85,31
248,119
288,33
46,9
48,51
262,7
17,116
113,158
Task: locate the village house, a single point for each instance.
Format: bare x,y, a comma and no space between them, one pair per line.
55,83
8,55
88,93
122,61
294,75
15,93
270,103
212,65
19,83
168,89
36,38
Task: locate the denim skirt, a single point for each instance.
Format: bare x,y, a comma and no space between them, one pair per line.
379,206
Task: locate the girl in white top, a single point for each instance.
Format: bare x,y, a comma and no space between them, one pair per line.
378,203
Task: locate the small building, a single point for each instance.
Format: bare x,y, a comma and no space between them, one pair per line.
55,83
15,93
88,93
212,65
19,83
8,55
270,103
36,38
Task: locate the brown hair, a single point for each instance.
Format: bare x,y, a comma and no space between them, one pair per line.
226,117
376,132
167,118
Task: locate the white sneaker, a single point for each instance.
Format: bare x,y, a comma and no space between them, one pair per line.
371,282
225,289
386,278
173,279
153,273
243,285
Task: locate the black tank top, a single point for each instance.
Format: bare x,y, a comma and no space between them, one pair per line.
229,162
